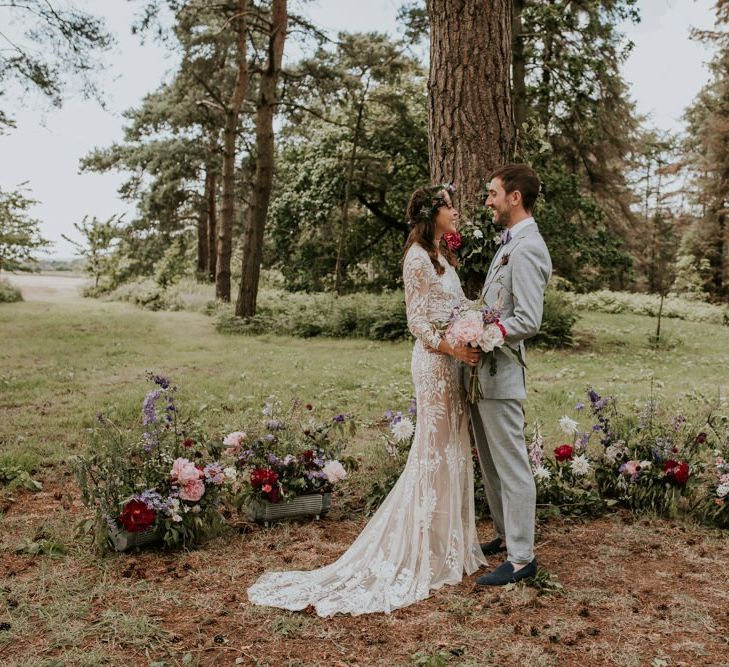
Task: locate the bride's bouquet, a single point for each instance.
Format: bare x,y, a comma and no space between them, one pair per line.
477,324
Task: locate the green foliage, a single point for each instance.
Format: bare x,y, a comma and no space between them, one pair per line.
13,477
605,301
100,239
52,45
8,292
373,316
558,320
346,170
20,234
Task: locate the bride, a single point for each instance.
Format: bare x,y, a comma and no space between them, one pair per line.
424,534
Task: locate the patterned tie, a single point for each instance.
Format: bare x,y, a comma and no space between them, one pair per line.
505,236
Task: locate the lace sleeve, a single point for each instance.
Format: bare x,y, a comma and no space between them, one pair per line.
417,271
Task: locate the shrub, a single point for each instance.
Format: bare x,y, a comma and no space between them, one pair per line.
8,292
558,320
371,316
606,301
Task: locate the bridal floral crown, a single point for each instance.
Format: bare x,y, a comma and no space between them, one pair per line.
437,200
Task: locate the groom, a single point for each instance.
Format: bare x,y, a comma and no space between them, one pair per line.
516,281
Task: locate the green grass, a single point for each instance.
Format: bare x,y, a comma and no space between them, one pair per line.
61,364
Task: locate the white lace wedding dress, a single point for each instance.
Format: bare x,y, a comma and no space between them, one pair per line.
424,533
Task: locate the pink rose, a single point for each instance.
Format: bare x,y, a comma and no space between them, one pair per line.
193,490
466,329
184,472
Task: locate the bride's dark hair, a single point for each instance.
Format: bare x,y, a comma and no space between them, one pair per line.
421,212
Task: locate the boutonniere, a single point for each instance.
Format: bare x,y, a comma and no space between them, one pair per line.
505,259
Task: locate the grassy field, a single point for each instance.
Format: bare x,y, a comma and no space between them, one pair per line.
645,592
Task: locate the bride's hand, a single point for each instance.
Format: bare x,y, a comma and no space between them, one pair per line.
467,354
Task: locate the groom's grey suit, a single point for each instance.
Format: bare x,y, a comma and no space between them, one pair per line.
517,278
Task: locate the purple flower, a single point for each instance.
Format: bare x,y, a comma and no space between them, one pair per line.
594,396
245,456
214,473
389,415
274,425
491,315
583,439
413,409
580,406
150,416
597,427
269,437
159,380
340,418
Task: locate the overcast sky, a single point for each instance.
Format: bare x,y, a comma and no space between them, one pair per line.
665,71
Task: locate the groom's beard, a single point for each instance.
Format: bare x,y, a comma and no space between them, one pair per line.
501,219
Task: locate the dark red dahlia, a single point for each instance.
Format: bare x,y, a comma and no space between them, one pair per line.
564,452
678,471
136,516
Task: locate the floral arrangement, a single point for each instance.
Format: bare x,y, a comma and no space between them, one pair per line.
477,324
166,478
648,462
714,506
290,455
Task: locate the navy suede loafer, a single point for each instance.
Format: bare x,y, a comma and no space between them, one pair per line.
504,574
493,547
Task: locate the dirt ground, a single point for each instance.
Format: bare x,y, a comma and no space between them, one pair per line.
620,591
59,286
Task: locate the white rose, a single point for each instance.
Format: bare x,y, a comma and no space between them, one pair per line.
568,426
542,474
334,471
722,490
403,429
477,233
231,473
491,338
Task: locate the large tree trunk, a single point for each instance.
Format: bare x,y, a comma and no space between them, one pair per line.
263,182
211,193
203,250
232,113
471,119
518,69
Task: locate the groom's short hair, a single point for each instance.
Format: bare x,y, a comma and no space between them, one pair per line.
519,177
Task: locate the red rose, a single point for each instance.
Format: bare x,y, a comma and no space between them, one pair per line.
564,452
453,240
136,516
188,442
701,438
678,471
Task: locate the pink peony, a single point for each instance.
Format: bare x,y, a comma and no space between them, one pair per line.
631,468
233,442
334,471
193,490
184,471
468,328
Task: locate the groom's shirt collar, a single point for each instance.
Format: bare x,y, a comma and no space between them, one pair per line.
519,226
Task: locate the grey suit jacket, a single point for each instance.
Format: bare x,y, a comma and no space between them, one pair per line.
516,280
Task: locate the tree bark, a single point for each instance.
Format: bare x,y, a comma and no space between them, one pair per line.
232,114
471,120
211,193
518,68
263,181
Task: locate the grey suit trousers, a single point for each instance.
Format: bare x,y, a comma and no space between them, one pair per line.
498,426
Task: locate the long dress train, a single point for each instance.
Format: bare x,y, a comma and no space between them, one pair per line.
424,534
